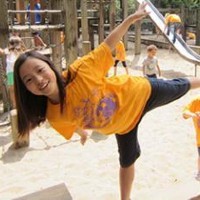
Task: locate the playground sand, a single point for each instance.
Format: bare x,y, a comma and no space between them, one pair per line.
165,170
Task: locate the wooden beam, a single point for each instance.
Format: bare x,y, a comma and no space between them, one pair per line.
20,6
101,21
112,15
84,26
125,14
57,192
28,28
84,20
71,43
137,36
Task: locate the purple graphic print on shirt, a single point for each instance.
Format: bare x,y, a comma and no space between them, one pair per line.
97,112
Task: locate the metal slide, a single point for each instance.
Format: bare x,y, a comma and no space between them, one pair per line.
182,48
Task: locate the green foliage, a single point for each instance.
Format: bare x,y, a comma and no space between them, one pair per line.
177,3
192,3
131,8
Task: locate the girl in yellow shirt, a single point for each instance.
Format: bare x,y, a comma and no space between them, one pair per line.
84,98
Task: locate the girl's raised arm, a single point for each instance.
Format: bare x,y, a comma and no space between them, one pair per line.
121,29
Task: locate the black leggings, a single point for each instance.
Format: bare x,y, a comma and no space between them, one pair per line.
163,92
123,63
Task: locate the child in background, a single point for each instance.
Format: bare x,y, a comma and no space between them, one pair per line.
38,43
191,36
120,56
192,110
37,15
173,23
150,63
15,48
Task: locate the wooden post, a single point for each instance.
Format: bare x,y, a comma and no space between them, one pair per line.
183,17
84,20
112,15
43,7
4,42
32,15
70,45
125,14
11,6
137,37
84,26
14,128
198,27
20,16
101,21
18,141
56,49
56,36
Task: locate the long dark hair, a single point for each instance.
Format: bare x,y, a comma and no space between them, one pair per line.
32,108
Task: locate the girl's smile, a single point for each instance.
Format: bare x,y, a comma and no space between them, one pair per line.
39,78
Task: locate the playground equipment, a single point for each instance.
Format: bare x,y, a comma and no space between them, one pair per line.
50,28
182,48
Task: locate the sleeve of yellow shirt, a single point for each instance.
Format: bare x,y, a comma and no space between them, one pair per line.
97,62
65,129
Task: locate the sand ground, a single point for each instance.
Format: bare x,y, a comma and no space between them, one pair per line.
165,170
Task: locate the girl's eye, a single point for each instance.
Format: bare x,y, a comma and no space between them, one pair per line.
40,70
28,81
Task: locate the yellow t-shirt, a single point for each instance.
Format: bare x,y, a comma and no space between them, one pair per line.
94,101
120,51
194,106
172,18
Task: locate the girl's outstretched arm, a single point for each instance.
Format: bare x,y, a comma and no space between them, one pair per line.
121,29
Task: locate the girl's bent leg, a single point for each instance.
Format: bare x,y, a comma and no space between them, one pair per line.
126,181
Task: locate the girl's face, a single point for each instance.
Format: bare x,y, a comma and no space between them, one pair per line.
39,78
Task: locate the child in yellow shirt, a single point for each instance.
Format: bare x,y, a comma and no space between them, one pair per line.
120,56
173,23
192,110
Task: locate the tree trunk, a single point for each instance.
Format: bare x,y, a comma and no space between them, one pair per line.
4,42
198,28
70,31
